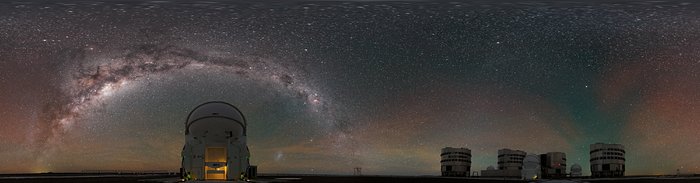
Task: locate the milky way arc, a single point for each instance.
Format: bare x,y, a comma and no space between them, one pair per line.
88,84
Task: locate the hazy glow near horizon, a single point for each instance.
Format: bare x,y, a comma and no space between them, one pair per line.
330,86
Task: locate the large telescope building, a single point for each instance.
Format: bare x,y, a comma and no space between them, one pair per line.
510,164
509,159
215,143
455,162
553,165
607,160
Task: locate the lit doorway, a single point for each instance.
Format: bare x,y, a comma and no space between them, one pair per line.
215,159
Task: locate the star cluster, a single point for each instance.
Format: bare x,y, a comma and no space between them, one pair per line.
329,86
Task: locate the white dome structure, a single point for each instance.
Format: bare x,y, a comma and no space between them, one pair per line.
576,170
215,143
216,115
531,167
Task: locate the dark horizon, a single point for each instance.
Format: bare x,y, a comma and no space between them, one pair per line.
267,174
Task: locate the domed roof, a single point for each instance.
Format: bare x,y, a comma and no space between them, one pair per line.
576,168
216,109
490,168
531,162
531,158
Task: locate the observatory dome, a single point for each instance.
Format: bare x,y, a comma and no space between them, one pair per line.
216,115
531,162
576,168
490,168
531,159
215,144
531,167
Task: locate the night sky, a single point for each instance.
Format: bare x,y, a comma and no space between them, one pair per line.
329,86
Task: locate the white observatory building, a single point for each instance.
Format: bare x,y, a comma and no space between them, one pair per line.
607,160
553,165
215,143
455,162
531,167
510,164
509,159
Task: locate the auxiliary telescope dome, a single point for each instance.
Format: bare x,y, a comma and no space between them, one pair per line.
216,115
531,162
576,170
531,167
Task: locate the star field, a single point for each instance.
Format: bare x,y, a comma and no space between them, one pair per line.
329,86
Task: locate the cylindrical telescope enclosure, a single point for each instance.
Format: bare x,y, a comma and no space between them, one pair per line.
215,143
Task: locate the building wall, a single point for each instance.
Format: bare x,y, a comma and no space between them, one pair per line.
509,159
553,165
455,162
607,160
